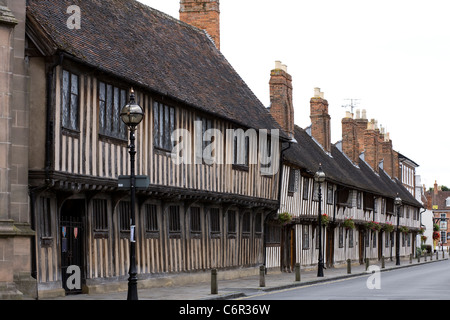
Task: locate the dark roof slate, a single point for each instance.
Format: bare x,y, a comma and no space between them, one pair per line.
150,48
307,154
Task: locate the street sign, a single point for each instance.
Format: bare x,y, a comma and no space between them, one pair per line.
142,182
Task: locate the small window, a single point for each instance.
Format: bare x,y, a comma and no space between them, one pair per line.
330,194
305,237
151,218
305,188
124,216
196,227
231,222
163,126
350,238
70,101
447,202
174,221
294,176
214,216
100,218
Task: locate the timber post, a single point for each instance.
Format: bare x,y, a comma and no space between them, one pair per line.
297,272
262,276
349,266
214,285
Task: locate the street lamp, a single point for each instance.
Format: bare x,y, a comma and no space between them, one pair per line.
319,177
132,114
398,203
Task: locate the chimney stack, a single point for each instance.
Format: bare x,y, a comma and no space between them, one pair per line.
203,14
281,107
320,120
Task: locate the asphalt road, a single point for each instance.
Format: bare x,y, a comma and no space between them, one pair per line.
425,282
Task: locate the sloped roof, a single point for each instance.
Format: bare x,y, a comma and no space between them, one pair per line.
307,154
147,47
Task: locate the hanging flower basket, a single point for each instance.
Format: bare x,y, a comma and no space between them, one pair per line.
403,229
374,226
325,219
436,235
284,218
435,227
423,238
349,223
388,227
421,230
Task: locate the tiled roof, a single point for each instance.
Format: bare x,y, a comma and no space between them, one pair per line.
150,48
307,154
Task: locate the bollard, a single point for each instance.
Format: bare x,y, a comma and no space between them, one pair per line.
443,254
349,266
367,264
437,255
297,272
418,258
214,285
431,256
262,276
382,262
410,258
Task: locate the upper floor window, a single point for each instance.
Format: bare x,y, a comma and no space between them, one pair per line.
70,100
163,126
447,202
294,182
111,100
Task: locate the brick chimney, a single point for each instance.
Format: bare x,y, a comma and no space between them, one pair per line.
203,14
350,144
371,149
320,120
281,107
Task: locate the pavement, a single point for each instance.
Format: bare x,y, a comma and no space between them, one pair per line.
242,287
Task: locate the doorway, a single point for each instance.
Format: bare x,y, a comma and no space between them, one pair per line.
72,252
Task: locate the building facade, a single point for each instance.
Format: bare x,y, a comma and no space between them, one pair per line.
438,202
357,197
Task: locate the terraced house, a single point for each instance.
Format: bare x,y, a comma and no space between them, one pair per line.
363,178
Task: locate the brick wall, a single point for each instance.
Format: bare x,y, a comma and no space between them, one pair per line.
202,14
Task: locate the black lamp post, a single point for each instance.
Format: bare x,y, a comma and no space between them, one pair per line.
398,203
132,114
319,177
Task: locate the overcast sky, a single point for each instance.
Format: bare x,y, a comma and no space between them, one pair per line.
392,55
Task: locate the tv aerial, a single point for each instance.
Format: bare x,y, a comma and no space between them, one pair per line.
353,103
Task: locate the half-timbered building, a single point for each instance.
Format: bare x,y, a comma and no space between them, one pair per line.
210,189
362,181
